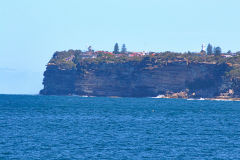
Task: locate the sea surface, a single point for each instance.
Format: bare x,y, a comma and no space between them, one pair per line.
65,127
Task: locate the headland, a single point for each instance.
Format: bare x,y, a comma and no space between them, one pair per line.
141,74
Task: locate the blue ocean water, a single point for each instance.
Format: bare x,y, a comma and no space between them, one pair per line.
63,127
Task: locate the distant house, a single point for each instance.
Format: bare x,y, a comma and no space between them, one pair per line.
136,54
51,64
103,52
226,55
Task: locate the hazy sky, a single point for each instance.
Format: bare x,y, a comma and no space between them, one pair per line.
32,30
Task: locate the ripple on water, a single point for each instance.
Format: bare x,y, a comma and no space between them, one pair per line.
52,127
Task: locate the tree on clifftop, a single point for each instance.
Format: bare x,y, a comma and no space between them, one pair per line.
217,51
124,49
116,49
229,52
209,49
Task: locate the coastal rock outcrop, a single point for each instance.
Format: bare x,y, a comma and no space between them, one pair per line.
145,77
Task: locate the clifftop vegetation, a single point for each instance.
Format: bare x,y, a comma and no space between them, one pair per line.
69,60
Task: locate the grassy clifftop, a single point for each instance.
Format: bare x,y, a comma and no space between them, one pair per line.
70,60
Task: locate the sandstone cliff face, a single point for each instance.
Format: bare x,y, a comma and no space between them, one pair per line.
58,82
137,79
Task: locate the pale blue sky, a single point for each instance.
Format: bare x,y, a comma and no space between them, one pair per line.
32,30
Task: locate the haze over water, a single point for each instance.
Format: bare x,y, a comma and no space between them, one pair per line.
62,127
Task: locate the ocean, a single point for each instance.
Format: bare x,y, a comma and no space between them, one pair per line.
72,127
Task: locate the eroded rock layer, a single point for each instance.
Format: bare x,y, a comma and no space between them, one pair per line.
143,78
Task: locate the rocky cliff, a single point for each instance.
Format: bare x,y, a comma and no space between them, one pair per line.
148,76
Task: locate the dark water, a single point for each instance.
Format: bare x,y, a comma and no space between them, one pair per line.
51,127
